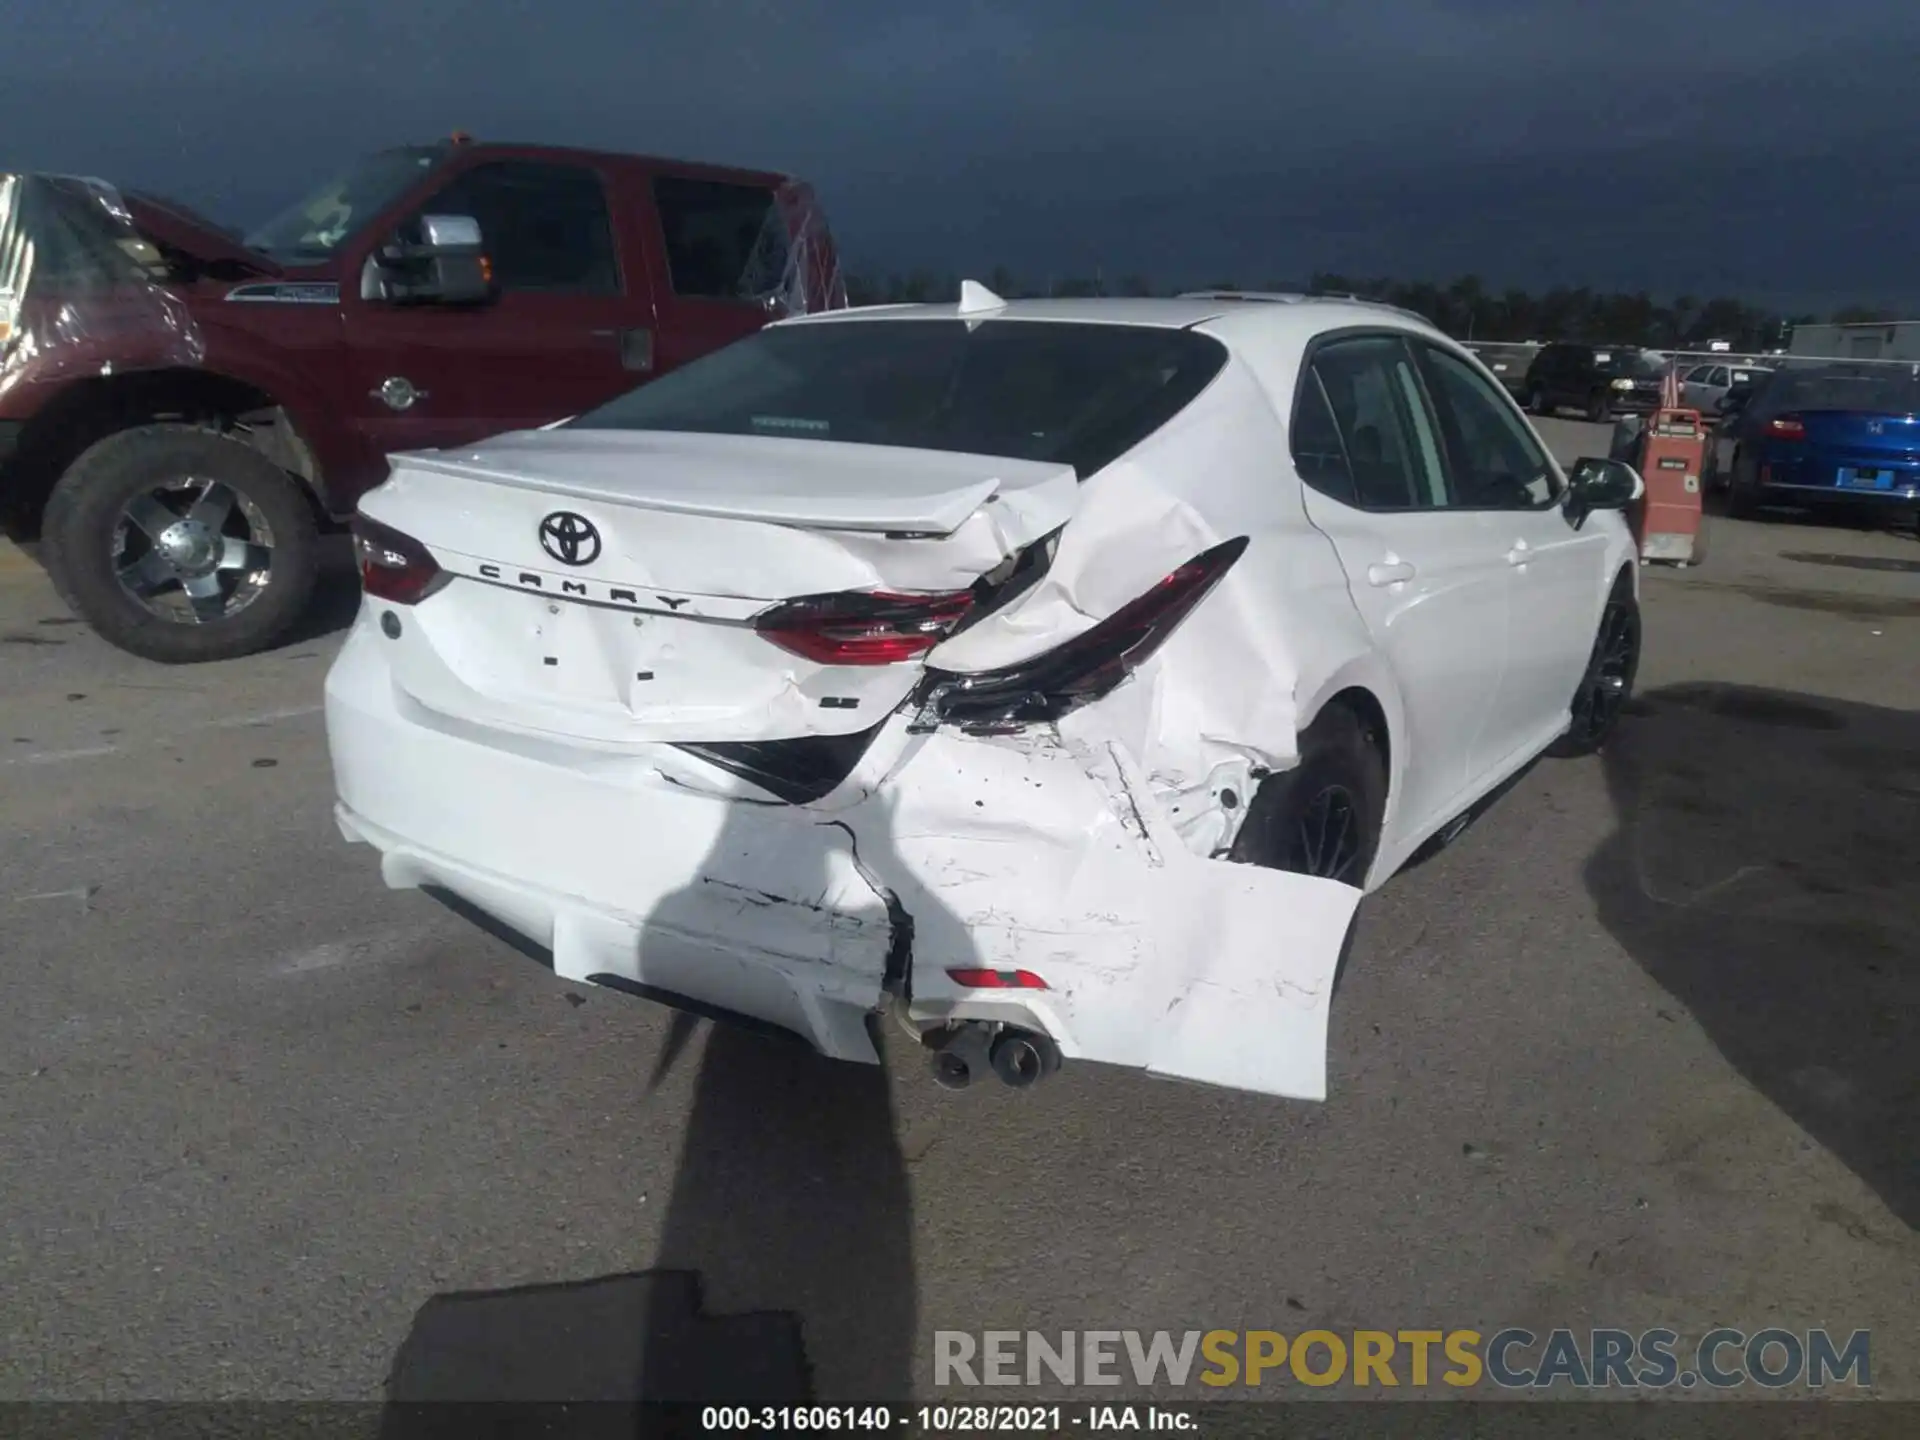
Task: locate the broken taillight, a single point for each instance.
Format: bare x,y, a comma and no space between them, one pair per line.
394,566
1085,667
863,627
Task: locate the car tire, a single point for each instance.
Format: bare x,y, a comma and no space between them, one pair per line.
1599,409
1606,685
254,565
1537,402
1740,499
1323,816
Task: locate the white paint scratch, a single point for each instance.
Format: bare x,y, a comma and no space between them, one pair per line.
344,954
98,752
1706,892
60,757
83,893
265,717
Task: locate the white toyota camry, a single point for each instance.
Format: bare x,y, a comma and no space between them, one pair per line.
1054,677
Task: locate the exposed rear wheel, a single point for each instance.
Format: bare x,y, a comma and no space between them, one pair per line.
179,545
1323,816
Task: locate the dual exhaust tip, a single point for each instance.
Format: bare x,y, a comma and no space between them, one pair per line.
972,1049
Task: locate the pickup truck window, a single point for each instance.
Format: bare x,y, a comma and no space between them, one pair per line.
545,227
309,232
720,244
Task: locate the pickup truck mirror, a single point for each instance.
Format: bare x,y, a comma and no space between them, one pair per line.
434,260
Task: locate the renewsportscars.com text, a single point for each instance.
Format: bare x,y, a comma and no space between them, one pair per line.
1511,1359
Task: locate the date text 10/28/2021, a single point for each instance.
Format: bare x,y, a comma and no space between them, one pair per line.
937,1419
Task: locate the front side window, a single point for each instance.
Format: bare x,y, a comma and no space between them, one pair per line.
1496,463
1378,411
1079,394
309,232
545,227
724,241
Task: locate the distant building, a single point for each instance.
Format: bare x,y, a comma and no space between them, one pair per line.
1875,340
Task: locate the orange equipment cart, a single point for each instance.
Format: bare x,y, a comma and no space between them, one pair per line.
1673,452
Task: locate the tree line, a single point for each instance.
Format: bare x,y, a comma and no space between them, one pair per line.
1465,308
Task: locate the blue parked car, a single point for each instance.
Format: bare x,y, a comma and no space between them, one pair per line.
1832,434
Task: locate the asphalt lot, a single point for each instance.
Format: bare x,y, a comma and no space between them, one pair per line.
1637,1050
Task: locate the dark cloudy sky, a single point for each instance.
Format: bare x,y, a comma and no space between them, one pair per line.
1765,148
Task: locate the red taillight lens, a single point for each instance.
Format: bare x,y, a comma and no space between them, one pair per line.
997,979
867,627
1786,427
394,566
1086,667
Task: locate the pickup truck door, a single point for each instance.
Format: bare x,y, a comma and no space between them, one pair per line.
572,326
713,246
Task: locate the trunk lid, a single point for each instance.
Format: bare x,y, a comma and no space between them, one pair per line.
607,581
1850,436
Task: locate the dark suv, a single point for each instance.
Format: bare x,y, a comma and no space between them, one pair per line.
1600,381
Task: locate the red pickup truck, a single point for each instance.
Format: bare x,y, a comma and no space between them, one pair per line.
183,410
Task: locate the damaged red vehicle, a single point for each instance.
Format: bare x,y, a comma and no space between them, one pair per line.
184,409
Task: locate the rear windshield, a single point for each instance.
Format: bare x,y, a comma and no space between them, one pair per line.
1503,354
1078,394
1894,390
1638,364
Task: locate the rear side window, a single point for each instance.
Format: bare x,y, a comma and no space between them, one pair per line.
1386,432
545,227
723,241
1028,390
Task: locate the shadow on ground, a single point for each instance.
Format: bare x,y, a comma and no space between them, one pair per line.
1866,518
1762,873
784,1271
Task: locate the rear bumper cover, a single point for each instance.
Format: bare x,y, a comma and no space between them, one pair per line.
1021,852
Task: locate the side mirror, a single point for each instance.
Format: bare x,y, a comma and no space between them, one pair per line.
1596,484
434,260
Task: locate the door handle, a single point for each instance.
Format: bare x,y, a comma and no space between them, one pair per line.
1391,571
1519,554
636,349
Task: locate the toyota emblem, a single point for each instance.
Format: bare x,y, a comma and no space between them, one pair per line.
570,538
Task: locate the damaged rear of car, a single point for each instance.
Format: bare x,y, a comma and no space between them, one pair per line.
901,662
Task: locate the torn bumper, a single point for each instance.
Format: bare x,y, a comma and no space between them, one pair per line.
1019,852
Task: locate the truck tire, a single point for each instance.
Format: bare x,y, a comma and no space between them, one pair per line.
180,545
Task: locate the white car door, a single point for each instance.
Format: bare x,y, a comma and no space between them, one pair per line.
1499,470
1693,388
1429,580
